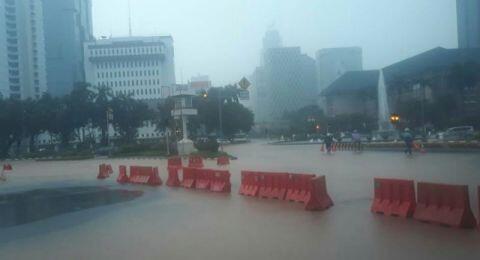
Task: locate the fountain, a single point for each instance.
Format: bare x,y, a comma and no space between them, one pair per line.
385,127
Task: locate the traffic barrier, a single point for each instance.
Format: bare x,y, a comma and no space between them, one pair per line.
444,204
223,160
250,184
122,174
202,179
322,148
7,167
273,185
189,176
175,162
195,161
334,147
394,197
103,172
298,187
318,196
173,180
220,181
145,175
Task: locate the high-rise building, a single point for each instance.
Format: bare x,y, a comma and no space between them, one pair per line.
67,25
22,49
139,66
468,23
286,83
334,62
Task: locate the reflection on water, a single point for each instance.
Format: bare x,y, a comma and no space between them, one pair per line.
24,207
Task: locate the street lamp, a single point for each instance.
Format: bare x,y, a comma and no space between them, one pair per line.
394,119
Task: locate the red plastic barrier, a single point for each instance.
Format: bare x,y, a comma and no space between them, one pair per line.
108,169
250,184
220,181
122,174
318,196
195,161
202,179
173,180
444,204
298,187
175,162
223,160
7,167
394,197
102,172
273,185
189,176
145,175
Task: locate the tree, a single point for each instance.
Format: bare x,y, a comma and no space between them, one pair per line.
306,119
235,117
11,119
128,115
80,107
100,108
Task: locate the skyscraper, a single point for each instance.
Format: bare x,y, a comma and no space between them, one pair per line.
22,50
468,23
68,24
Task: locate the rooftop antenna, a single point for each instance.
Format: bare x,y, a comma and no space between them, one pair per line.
129,19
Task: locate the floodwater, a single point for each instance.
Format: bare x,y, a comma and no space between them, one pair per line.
170,223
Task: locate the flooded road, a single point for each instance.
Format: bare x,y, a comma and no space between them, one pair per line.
168,223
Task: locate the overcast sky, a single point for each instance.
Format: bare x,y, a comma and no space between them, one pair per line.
223,38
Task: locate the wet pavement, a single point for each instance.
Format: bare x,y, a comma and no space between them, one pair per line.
169,223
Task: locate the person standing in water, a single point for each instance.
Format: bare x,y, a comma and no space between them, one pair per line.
408,139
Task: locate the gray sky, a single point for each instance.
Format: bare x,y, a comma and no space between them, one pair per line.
223,38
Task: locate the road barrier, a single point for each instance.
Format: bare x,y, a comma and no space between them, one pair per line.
250,183
145,175
175,162
202,179
173,180
195,161
304,188
273,185
188,180
223,160
444,204
394,197
139,175
7,167
104,171
206,179
122,174
220,181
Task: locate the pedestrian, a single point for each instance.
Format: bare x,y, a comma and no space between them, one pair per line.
408,139
328,142
357,141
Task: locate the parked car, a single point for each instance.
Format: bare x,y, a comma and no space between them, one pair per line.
240,138
457,133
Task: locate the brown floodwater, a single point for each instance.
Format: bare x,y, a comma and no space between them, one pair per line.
170,223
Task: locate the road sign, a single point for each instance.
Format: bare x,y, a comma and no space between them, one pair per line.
244,83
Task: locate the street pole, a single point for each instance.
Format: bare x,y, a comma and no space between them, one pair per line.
220,122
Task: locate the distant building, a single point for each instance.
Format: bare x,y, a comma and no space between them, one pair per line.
200,83
334,62
431,76
22,49
468,23
355,92
289,83
67,25
142,67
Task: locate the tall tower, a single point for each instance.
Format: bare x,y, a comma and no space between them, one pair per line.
68,24
22,55
468,23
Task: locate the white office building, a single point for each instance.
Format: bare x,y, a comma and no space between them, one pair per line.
22,49
139,66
